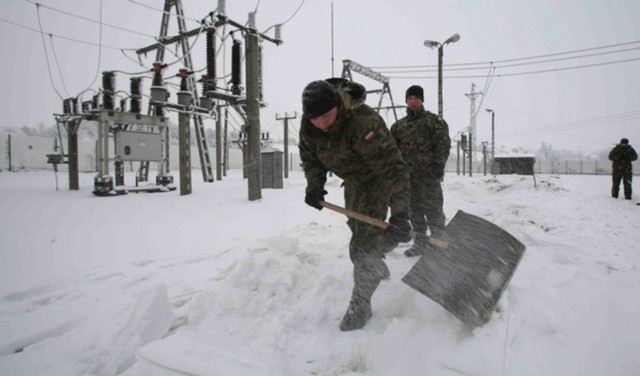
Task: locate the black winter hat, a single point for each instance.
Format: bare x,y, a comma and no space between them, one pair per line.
318,97
624,141
416,91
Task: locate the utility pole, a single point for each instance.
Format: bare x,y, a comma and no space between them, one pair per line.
225,156
493,134
219,146
254,166
472,121
185,98
286,118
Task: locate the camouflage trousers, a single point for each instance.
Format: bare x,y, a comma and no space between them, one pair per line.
366,239
626,177
427,201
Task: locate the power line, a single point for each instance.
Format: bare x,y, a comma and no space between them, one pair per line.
90,20
485,63
55,56
522,73
288,19
626,116
163,12
46,54
66,38
514,65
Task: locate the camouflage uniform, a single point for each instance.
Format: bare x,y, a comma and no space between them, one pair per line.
423,139
359,150
622,155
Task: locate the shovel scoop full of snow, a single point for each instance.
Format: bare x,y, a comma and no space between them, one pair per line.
468,278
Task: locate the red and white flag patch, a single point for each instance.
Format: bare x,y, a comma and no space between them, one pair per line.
370,136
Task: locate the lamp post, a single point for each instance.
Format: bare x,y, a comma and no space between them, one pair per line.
493,134
431,44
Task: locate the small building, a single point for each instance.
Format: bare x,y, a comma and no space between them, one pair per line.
519,165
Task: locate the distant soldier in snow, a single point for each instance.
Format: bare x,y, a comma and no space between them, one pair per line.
341,134
423,139
622,155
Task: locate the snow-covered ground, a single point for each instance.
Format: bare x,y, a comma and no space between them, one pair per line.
214,284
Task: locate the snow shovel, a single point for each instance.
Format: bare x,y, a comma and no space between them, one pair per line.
381,224
469,278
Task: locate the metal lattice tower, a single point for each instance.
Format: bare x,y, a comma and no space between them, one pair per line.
184,34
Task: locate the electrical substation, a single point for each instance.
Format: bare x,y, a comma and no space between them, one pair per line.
129,135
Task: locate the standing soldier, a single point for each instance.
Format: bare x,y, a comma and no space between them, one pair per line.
341,134
622,155
423,140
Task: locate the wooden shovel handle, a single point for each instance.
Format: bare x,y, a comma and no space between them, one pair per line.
378,223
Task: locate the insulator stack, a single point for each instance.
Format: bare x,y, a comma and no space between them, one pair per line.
159,93
74,105
70,106
95,101
278,33
86,106
136,94
183,73
157,74
251,22
204,80
108,90
211,58
66,107
235,67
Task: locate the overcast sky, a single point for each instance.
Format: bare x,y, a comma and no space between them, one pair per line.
580,93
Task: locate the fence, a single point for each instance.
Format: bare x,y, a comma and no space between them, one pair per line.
560,167
29,153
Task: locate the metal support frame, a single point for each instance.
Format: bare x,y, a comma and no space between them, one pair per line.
109,122
350,65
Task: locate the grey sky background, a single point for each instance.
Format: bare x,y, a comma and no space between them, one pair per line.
581,93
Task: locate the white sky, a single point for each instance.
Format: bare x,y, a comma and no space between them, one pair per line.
585,109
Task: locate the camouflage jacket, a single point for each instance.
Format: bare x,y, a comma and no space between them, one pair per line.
358,149
423,139
622,155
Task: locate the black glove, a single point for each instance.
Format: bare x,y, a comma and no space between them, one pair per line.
435,171
314,196
399,229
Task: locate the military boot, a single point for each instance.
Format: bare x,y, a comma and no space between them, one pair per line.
367,275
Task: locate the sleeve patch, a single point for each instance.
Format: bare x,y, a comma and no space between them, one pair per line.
370,136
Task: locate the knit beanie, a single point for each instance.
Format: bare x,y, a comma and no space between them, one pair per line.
416,91
318,97
624,141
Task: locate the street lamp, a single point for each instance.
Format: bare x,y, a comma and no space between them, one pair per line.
431,44
493,134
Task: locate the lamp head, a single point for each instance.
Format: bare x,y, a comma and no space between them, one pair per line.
452,39
431,43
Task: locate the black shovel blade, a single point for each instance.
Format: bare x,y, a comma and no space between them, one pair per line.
468,278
